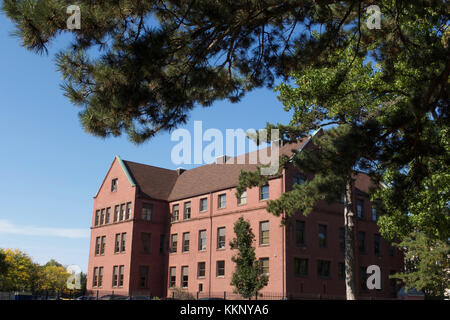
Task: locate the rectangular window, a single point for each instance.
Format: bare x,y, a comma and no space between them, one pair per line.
175,212
222,201
162,241
108,215
201,269
128,211
299,179
220,268
122,212
300,233
374,214
361,241
100,276
97,217
186,237
116,213
341,270
342,239
102,217
95,278
202,240
184,277
113,185
323,268
243,198
103,245
221,238
121,275
115,279
143,277
264,266
146,242
203,204
97,246
147,211
187,211
376,244
172,277
123,246
360,208
264,233
117,243
173,243
264,193
323,236
301,267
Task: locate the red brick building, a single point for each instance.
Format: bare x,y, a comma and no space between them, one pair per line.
154,228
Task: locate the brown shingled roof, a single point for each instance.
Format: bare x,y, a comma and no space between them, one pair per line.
154,182
214,177
165,184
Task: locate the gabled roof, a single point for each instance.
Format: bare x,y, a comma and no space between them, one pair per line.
165,184
154,182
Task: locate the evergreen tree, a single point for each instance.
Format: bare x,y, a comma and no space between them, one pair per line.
418,216
332,158
247,278
427,265
140,66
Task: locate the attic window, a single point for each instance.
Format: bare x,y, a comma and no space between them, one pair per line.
114,185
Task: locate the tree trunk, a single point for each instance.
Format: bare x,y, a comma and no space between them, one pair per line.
349,254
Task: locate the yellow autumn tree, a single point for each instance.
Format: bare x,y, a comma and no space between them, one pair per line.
52,278
21,274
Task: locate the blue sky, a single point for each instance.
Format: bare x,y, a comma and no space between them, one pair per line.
50,168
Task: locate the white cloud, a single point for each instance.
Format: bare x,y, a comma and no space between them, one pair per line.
10,228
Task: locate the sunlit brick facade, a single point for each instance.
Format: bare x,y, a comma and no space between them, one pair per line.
141,211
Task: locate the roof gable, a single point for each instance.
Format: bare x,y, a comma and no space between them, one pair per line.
124,169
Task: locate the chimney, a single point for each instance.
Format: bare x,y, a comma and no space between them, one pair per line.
180,171
222,159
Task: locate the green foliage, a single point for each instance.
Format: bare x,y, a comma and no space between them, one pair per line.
423,205
4,267
428,264
52,278
53,262
21,274
140,66
3,264
331,160
247,278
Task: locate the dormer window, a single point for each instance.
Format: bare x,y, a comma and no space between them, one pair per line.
114,185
